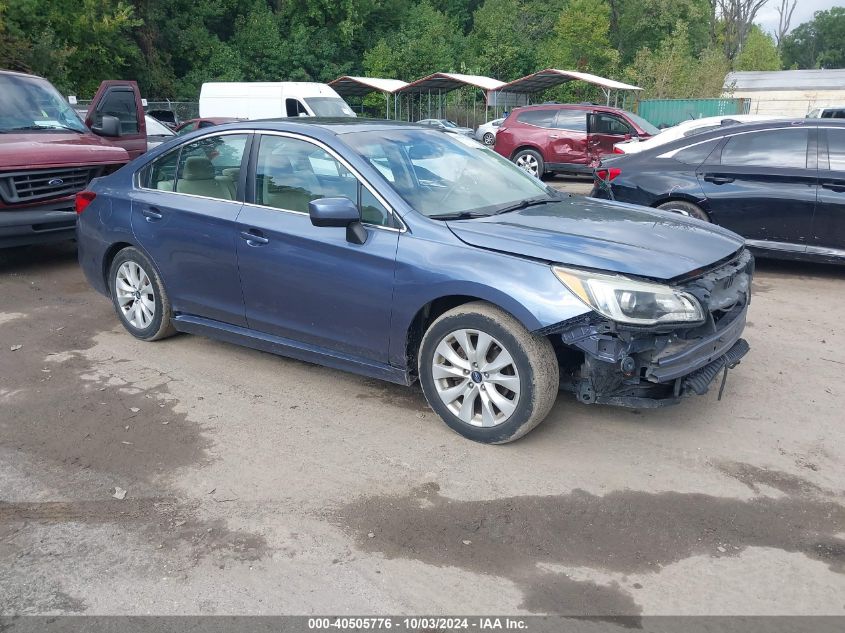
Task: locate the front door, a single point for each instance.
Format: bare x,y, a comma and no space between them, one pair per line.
604,130
761,186
121,99
829,221
307,283
183,215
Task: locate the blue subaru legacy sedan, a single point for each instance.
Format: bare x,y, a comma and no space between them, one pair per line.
401,253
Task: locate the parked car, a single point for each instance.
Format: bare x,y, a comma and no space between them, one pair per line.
157,133
167,117
405,254
47,154
830,112
445,125
486,133
270,99
547,139
192,125
779,184
687,128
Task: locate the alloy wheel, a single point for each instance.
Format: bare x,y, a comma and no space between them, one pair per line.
489,139
476,377
528,163
135,295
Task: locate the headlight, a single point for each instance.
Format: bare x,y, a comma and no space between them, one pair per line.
630,301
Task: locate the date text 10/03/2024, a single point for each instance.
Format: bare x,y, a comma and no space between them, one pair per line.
418,623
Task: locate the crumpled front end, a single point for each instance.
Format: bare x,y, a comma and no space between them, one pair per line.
608,363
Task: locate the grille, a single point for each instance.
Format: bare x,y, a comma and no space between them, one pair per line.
40,184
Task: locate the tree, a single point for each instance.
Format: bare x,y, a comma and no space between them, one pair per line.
737,18
636,24
785,10
759,52
498,52
819,43
581,39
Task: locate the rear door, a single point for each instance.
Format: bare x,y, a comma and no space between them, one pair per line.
121,99
183,214
604,130
829,221
568,139
762,184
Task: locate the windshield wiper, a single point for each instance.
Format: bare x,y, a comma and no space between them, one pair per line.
463,215
40,127
530,202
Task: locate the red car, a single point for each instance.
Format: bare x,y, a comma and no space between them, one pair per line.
550,138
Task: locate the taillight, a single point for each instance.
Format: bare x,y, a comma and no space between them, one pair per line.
83,199
618,150
608,174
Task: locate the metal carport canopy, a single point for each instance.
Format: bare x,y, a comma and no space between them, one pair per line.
347,86
446,82
551,77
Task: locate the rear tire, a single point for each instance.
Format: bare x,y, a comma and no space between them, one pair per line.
531,161
489,139
485,375
138,296
685,208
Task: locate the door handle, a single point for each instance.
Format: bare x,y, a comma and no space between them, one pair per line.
554,135
253,237
718,180
833,185
152,214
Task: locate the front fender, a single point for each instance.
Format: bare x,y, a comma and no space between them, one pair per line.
428,270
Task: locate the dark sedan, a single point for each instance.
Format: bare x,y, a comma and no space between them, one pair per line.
779,184
405,254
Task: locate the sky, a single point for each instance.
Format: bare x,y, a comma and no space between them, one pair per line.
804,10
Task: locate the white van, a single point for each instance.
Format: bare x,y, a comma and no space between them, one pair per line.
270,100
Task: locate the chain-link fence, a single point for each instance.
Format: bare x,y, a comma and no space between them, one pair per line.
184,109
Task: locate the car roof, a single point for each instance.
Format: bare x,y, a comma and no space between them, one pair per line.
568,106
729,130
334,126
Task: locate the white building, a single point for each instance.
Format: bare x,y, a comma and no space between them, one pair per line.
790,93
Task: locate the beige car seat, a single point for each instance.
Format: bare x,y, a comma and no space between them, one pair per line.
287,187
198,179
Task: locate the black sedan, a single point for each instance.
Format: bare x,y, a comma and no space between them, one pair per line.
779,184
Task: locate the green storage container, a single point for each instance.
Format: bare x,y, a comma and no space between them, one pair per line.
669,112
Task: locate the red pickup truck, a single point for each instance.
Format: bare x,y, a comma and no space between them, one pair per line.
47,154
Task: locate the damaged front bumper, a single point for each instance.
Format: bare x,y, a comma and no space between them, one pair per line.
646,367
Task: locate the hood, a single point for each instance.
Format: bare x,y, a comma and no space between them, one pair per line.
47,149
603,235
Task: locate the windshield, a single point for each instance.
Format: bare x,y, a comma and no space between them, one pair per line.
31,103
449,123
154,128
446,175
329,106
644,125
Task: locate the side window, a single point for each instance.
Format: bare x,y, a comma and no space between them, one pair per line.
162,173
540,118
293,107
574,120
836,148
203,124
291,172
373,211
768,148
697,154
189,128
601,123
120,104
211,166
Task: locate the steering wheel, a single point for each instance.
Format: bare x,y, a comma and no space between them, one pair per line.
467,182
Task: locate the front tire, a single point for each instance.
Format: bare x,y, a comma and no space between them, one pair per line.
683,207
138,296
531,161
485,375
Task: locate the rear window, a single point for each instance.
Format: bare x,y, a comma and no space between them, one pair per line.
575,120
697,154
768,148
540,118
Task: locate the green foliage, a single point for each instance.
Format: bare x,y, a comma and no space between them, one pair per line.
759,52
670,47
819,43
673,71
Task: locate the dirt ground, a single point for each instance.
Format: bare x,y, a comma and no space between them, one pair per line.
262,485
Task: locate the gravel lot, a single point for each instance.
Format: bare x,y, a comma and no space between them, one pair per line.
257,484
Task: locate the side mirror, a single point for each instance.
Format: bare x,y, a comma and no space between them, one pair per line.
109,126
304,114
338,212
